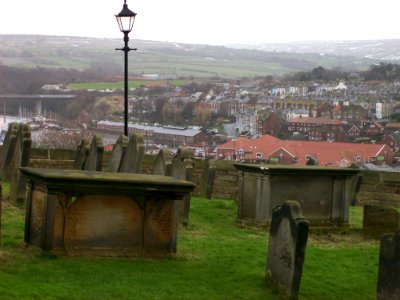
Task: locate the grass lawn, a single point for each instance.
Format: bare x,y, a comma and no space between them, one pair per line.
120,84
215,260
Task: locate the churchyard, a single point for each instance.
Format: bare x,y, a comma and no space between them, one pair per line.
215,260
107,229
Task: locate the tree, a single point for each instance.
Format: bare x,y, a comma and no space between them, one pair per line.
202,114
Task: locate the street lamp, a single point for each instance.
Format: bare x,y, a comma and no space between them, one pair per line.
125,20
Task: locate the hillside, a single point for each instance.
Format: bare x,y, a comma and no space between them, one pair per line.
382,50
164,57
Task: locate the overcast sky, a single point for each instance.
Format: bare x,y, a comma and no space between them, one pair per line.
208,21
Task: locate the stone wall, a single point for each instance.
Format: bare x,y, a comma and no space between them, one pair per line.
381,188
225,186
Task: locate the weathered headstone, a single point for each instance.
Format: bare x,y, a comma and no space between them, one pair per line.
132,161
94,161
82,152
117,154
209,178
7,151
379,220
189,170
389,267
20,158
1,200
163,162
182,168
286,249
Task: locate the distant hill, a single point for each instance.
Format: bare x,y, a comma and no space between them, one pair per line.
382,50
178,59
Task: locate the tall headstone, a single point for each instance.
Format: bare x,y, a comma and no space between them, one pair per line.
82,153
132,161
163,162
286,249
20,158
117,154
94,161
1,200
7,151
379,220
209,178
182,168
189,170
389,267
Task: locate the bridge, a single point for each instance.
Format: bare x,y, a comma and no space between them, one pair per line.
37,97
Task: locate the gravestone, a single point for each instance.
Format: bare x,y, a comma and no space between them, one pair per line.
7,151
379,220
1,200
20,158
286,249
182,169
94,161
118,152
82,152
162,164
389,267
209,178
189,170
132,161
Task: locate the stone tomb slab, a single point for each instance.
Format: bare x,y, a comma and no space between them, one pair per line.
262,187
286,249
77,212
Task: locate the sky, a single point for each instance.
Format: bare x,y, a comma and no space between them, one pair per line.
214,22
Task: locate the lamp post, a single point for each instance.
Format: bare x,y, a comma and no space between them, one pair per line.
125,20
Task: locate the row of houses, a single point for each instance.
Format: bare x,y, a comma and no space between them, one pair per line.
269,149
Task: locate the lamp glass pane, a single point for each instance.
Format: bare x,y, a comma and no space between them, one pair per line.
125,23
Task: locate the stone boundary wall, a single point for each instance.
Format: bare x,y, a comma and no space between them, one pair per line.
225,185
379,188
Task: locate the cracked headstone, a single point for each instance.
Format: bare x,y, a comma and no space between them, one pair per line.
286,249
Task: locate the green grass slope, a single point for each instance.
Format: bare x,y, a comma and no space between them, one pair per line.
215,260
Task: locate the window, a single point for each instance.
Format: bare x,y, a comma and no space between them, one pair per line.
259,155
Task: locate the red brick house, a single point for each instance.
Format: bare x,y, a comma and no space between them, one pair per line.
391,127
273,124
318,129
350,112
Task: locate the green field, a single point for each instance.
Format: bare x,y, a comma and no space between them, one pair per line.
120,84
164,58
215,260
